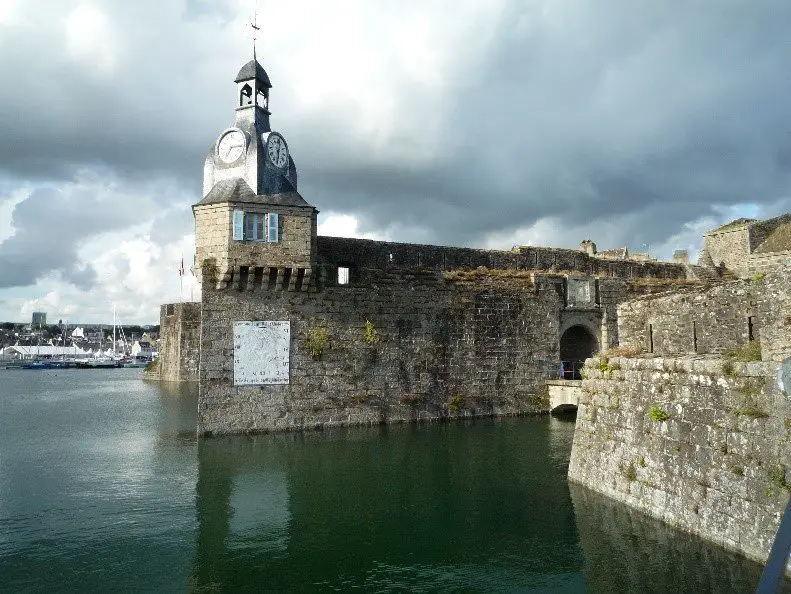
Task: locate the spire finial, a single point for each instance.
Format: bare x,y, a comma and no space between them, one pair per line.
255,29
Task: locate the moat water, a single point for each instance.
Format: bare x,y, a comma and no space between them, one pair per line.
104,487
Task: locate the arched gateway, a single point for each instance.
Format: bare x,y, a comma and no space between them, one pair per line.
577,343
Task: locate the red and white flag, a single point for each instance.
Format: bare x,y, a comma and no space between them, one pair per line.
181,267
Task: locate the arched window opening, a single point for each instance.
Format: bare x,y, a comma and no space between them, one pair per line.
262,100
576,345
246,96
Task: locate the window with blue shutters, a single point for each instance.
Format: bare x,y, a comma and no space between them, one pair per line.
253,226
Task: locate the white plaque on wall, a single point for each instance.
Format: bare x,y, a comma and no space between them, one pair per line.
261,353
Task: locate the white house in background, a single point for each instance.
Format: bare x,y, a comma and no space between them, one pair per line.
143,350
43,352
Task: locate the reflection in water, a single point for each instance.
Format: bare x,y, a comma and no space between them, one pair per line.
440,507
627,551
105,487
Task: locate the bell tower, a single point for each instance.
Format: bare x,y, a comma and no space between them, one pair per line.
252,224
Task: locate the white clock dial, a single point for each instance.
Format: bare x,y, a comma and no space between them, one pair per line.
231,146
277,150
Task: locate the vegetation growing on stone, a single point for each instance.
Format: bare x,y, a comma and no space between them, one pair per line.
455,403
750,391
540,399
777,476
663,283
605,366
657,414
483,275
728,369
318,339
749,352
629,472
370,335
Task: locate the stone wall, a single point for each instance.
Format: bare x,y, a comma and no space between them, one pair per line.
441,349
383,255
764,263
709,319
460,332
699,442
179,343
747,248
729,245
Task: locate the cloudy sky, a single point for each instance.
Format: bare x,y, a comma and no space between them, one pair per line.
486,123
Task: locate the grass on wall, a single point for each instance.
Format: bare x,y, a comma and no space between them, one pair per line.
657,414
749,352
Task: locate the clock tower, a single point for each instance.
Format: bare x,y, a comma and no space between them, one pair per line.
252,223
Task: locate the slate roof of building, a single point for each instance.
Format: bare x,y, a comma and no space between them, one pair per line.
253,70
237,190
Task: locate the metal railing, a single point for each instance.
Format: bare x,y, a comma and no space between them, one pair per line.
571,370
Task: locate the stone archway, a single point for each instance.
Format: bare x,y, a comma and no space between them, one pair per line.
577,343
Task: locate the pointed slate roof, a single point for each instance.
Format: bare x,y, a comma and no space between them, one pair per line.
237,190
253,70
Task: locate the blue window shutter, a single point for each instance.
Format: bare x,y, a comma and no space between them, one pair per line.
238,225
273,221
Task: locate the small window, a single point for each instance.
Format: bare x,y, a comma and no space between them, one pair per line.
254,226
170,309
343,275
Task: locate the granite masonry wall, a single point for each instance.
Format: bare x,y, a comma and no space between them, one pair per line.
741,248
714,319
179,343
439,349
458,332
699,442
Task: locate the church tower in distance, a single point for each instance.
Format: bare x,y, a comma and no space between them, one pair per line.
252,227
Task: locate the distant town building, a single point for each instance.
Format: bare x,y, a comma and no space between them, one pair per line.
39,319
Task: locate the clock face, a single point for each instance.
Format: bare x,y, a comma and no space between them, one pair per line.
231,146
277,150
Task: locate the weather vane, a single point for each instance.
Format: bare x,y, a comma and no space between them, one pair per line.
255,28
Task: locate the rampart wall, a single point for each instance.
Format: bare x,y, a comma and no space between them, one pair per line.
179,343
457,332
698,442
433,350
382,255
714,319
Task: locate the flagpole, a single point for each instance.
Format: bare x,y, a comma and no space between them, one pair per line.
181,280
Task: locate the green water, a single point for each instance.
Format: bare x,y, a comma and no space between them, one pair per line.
104,487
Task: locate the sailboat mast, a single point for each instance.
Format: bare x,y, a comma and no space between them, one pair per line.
113,329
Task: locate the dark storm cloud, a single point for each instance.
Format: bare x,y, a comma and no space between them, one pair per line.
50,226
657,112
574,111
